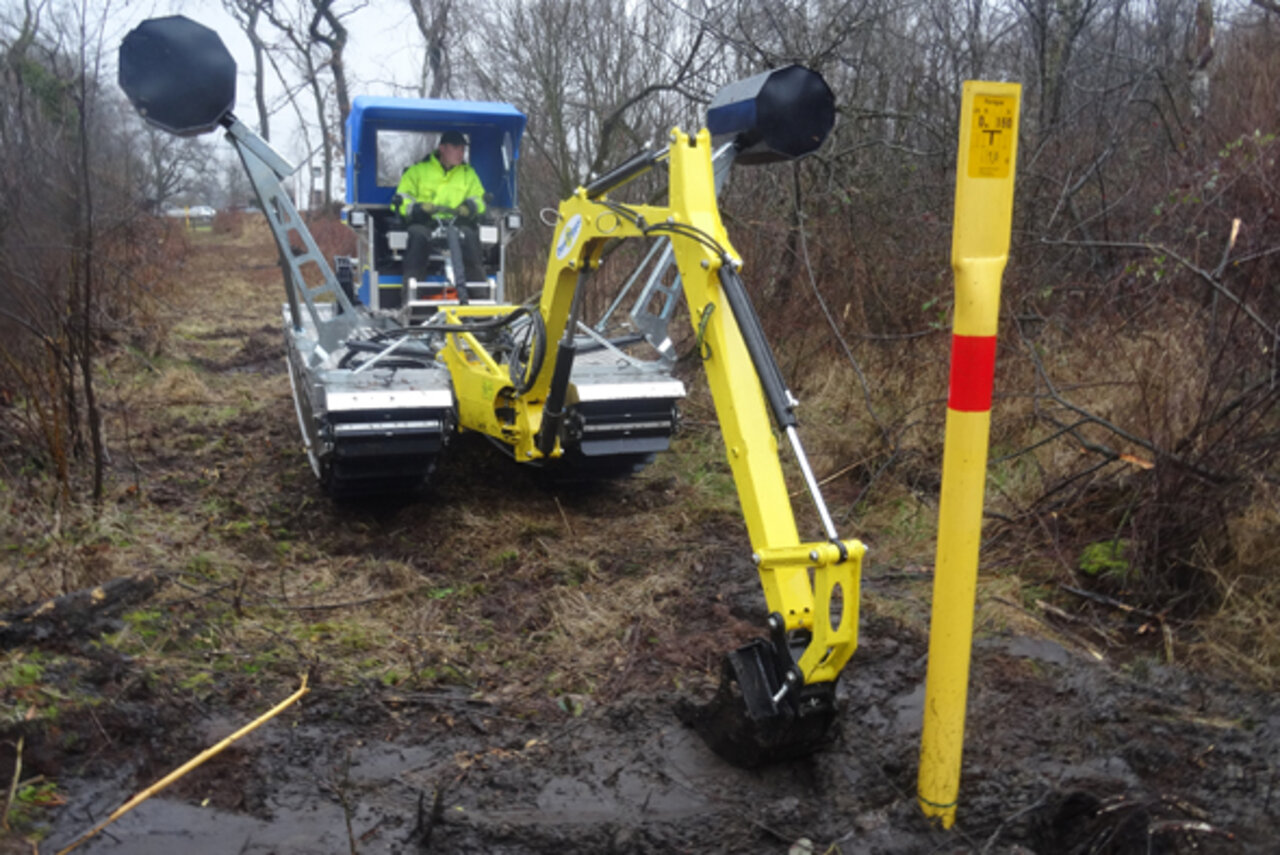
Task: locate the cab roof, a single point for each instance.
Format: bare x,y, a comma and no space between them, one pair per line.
486,124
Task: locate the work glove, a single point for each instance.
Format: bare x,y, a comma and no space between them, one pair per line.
421,213
467,209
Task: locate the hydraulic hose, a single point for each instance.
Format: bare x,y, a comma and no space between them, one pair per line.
553,410
524,373
414,356
775,388
624,172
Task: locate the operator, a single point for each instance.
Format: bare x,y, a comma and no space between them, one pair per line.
442,185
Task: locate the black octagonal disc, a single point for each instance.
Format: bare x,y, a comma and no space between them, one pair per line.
781,114
178,74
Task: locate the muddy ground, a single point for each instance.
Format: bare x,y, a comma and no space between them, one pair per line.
495,667
1063,755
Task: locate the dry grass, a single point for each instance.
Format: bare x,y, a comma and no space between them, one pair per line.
1149,373
176,386
1244,632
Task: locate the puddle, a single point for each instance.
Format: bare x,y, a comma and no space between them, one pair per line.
163,827
1039,649
908,712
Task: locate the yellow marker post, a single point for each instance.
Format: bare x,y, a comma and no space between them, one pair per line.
979,249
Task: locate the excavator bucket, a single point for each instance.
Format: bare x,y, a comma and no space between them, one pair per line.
750,722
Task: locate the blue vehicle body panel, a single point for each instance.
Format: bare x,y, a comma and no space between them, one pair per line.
385,280
485,123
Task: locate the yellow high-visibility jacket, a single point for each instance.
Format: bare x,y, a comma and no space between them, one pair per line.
427,183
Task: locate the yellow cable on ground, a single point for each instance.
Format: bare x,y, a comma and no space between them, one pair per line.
13,788
200,758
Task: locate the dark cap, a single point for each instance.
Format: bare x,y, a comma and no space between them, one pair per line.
453,138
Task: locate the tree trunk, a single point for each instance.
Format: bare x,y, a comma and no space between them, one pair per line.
433,23
259,77
247,14
336,41
326,140
86,330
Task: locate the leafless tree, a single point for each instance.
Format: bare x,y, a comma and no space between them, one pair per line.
591,75
248,13
171,164
316,40
326,28
432,18
67,233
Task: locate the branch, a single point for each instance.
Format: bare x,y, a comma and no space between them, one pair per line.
1156,248
30,327
1112,602
1111,454
610,123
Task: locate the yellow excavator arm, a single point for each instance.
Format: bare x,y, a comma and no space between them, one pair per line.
777,699
826,607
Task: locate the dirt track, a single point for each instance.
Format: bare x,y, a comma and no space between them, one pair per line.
518,729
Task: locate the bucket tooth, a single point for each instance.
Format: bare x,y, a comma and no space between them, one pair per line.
745,725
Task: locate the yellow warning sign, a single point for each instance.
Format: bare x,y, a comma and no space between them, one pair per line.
991,135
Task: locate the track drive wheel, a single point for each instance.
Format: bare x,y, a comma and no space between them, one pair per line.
750,721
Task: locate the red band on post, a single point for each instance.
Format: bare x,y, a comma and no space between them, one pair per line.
973,371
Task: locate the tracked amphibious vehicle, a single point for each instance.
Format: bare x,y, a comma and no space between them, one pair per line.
386,370
368,349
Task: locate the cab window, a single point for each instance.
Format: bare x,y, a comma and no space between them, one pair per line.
398,150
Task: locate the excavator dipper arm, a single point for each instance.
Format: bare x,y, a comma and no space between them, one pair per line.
777,695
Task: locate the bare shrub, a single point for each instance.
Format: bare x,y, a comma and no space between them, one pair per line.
82,265
332,236
229,223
